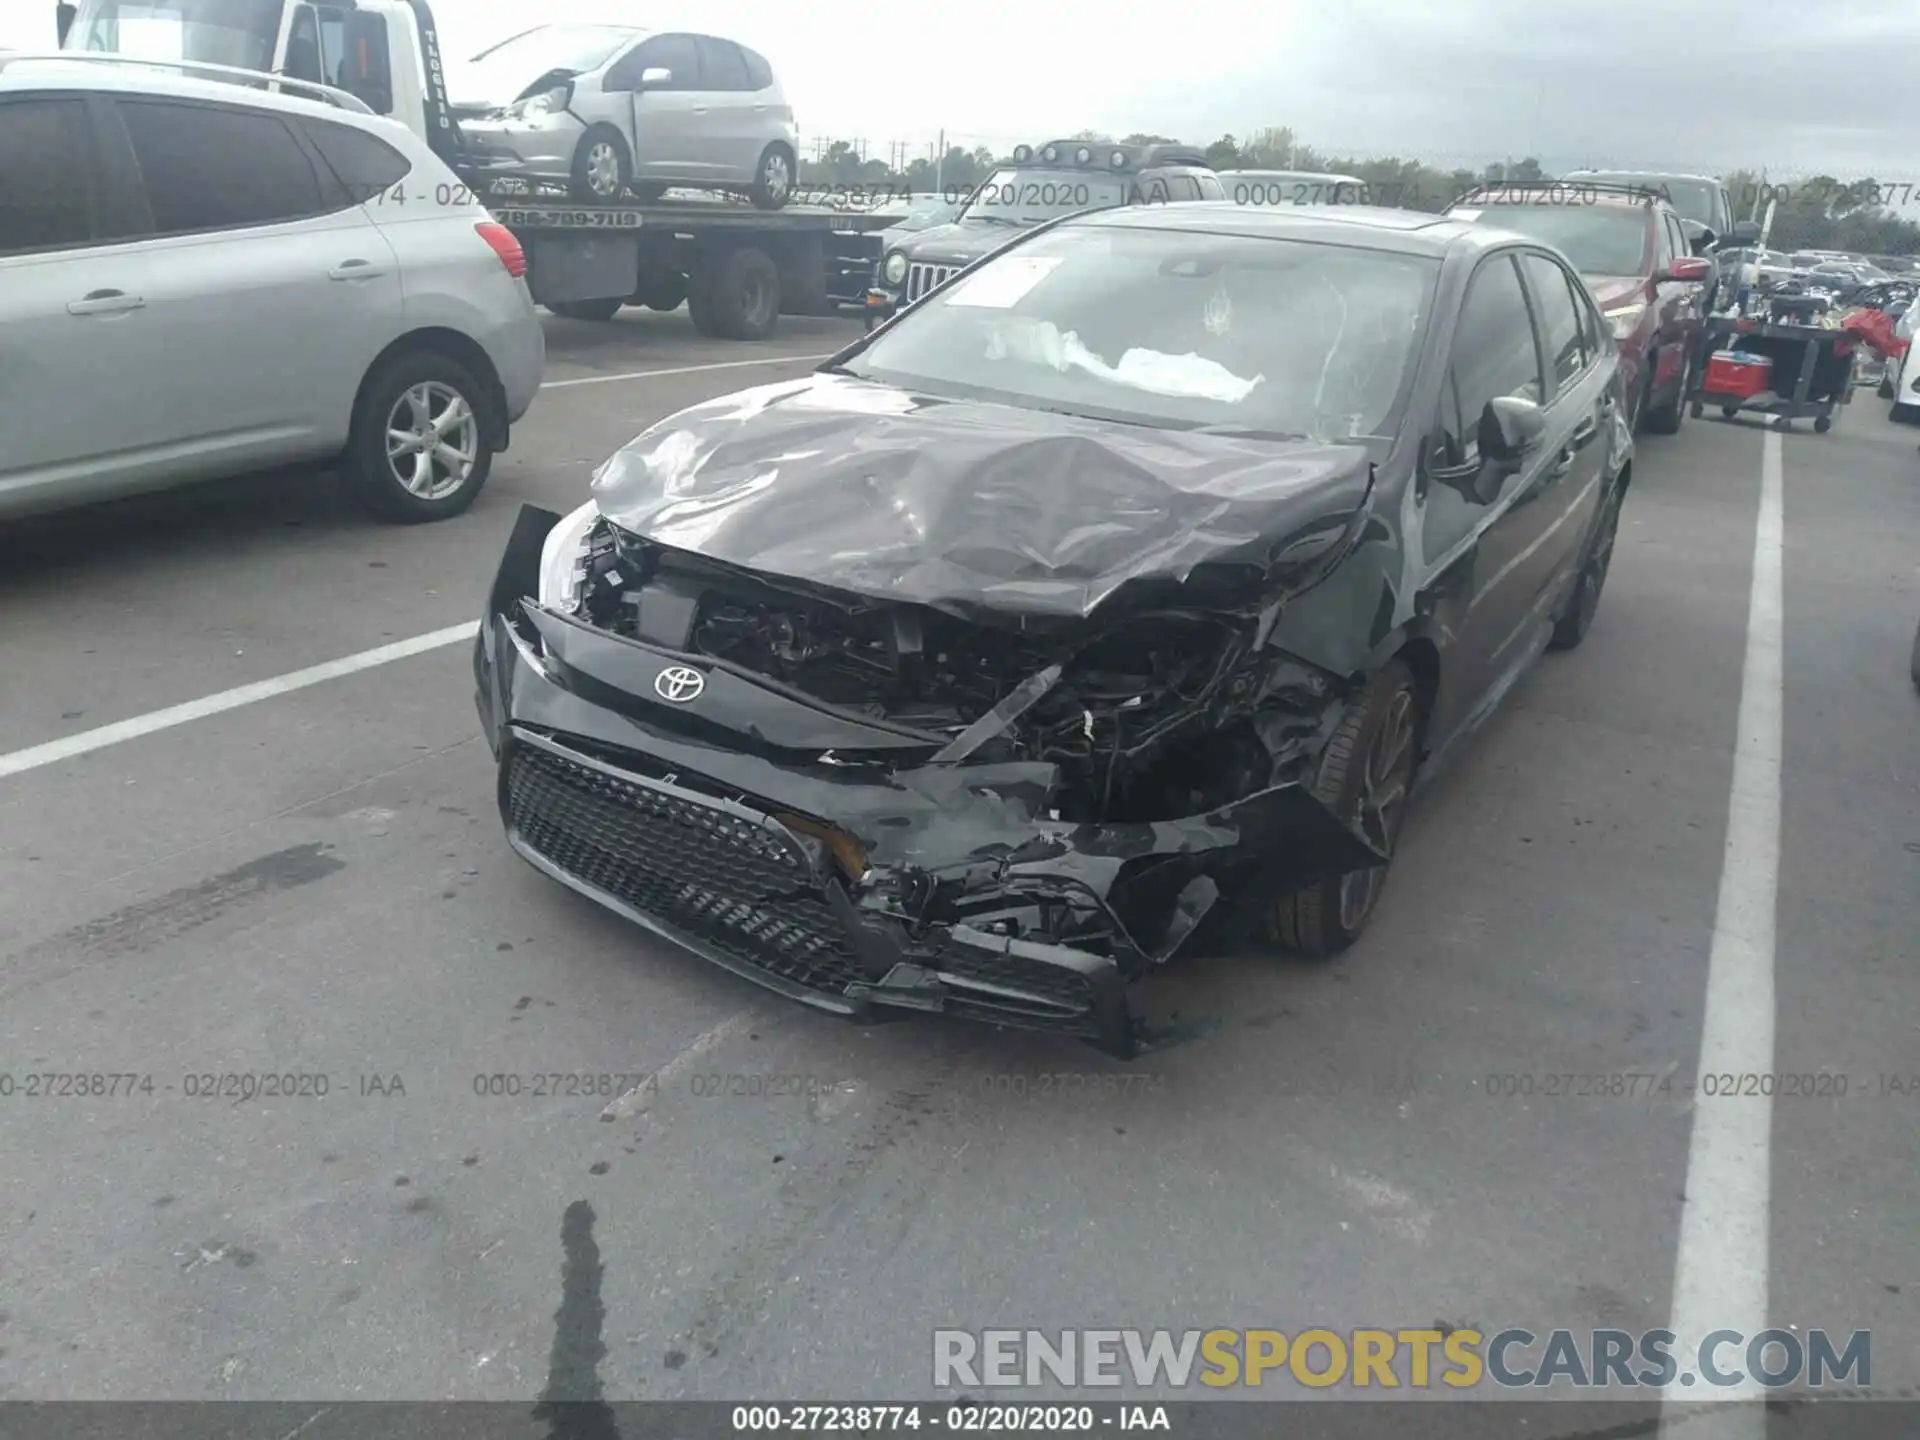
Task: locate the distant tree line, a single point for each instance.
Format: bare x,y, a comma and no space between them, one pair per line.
1820,213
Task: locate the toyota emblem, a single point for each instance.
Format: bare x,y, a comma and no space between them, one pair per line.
679,684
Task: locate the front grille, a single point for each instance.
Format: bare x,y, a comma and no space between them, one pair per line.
922,277
721,878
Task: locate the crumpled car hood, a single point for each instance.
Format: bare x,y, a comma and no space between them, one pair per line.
976,509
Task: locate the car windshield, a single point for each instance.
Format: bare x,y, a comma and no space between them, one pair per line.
240,33
1599,239
1026,197
1172,329
503,71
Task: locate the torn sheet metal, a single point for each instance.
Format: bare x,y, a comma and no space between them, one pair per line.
974,508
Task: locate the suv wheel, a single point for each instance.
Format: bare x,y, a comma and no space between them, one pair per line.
1666,419
422,444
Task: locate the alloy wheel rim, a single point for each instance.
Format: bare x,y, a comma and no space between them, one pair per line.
1385,781
433,440
776,177
603,168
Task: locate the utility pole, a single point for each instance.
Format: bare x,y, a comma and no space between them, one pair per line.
940,164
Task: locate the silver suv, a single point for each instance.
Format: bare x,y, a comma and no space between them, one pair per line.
198,279
608,109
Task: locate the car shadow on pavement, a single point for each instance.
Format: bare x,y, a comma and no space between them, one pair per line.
208,520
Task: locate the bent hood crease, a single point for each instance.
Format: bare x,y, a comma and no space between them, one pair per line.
971,507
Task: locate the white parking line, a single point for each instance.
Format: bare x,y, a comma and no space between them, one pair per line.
1720,1275
687,370
54,751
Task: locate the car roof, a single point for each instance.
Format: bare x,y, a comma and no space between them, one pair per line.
1298,175
1369,227
60,71
1652,177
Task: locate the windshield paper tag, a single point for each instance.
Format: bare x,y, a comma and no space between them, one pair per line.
1003,284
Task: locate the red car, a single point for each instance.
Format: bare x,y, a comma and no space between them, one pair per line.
1630,249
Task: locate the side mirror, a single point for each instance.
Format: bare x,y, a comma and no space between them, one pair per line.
655,77
1510,430
1691,269
63,17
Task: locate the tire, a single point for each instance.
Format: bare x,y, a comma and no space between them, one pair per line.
773,178
1727,412
586,309
1583,602
1822,424
374,464
743,298
1376,745
666,296
1666,419
1885,391
1904,414
602,166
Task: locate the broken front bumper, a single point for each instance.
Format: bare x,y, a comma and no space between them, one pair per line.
849,884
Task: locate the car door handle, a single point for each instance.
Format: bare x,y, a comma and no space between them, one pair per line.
1583,434
356,270
105,302
699,109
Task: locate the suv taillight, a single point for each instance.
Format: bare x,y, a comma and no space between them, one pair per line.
505,246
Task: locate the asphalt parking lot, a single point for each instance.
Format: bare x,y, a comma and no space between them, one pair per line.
315,884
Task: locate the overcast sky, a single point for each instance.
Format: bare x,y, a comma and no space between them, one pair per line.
1796,86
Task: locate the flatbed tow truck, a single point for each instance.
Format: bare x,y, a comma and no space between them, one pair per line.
736,268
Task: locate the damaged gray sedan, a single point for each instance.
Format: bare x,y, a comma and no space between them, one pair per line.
1114,595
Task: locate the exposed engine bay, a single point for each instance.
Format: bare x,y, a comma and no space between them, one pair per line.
1162,715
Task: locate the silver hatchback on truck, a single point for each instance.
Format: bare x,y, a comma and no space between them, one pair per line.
198,278
608,109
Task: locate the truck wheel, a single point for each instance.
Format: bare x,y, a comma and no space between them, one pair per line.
773,178
585,309
423,438
602,168
743,299
665,295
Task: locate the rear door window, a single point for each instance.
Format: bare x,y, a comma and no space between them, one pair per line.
208,167
49,180
1559,318
722,67
759,72
364,165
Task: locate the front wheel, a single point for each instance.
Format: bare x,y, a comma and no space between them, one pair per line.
422,443
1365,778
602,167
1666,419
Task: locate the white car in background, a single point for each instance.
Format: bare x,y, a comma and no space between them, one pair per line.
609,110
1904,390
199,279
